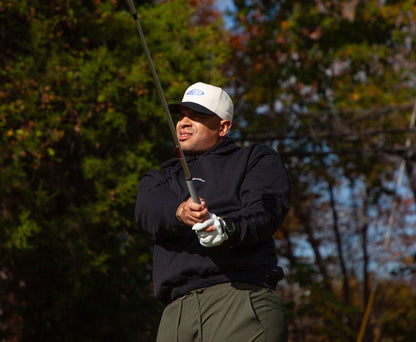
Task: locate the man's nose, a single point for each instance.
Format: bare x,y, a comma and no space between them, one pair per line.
185,121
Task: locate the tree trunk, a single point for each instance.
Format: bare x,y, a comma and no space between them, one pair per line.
345,285
305,219
411,175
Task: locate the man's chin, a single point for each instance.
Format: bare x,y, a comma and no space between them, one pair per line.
189,151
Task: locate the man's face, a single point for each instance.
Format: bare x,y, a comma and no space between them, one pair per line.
197,132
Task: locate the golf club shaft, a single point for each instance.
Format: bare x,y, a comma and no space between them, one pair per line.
184,164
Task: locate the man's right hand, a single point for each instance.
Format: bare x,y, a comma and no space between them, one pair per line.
190,212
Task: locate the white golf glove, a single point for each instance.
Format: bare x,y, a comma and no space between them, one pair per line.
214,238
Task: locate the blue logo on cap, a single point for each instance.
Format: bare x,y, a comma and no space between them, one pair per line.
195,92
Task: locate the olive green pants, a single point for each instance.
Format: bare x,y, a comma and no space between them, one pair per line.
230,312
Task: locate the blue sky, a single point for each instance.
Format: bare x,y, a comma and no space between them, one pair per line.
225,4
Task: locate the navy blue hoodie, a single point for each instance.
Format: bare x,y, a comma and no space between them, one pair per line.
249,186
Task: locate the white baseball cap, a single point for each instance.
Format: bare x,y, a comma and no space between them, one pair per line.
206,99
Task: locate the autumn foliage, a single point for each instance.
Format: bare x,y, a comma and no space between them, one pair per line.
330,84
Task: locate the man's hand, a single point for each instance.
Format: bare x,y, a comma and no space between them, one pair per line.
211,232
191,213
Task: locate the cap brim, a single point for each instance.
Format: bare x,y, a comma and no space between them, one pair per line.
175,108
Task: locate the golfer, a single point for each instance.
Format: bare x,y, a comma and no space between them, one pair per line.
214,263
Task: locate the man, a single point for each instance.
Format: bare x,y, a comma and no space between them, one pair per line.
215,264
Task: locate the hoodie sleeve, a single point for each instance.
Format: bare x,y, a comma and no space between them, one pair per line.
265,197
156,206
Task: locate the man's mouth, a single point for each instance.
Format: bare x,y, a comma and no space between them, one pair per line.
184,136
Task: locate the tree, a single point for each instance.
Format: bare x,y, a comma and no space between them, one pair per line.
331,84
80,122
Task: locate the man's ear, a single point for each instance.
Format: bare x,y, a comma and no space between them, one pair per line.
225,126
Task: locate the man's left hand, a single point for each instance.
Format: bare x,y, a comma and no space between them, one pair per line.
211,232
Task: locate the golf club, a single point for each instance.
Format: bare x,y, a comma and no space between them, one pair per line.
184,164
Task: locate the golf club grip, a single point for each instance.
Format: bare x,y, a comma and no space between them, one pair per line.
192,190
